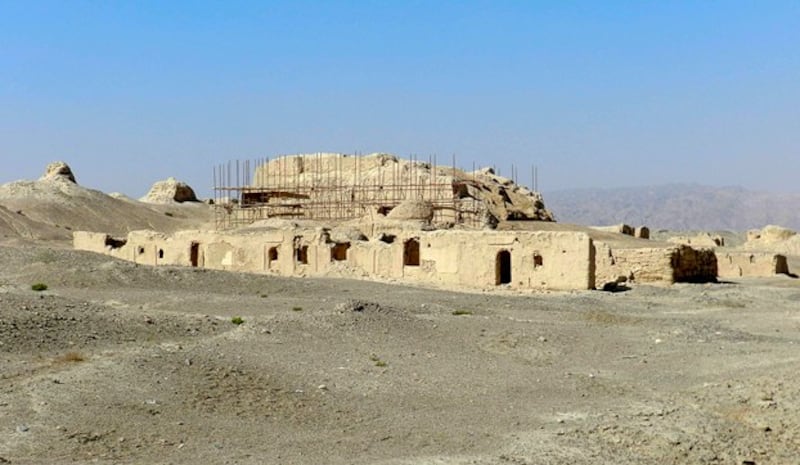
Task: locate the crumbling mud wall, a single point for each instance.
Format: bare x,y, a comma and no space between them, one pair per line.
653,264
642,265
750,264
402,251
699,240
692,265
774,239
476,259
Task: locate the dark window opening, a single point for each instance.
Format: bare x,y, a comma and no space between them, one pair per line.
537,260
140,250
160,253
194,253
384,210
339,251
388,238
503,267
115,243
301,254
272,254
411,253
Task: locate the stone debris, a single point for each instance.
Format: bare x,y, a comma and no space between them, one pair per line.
358,306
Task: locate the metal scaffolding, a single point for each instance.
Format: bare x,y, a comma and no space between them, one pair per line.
333,187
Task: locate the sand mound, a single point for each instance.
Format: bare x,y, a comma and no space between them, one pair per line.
55,205
17,225
169,191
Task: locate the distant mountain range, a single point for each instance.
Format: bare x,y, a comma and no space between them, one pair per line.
676,207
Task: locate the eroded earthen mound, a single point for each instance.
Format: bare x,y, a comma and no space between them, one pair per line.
58,170
307,185
54,206
412,210
170,190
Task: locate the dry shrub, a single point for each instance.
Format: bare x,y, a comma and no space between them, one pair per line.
71,357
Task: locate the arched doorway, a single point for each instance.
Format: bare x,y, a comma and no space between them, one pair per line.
503,267
411,252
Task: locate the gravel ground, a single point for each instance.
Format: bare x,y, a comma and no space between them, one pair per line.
118,364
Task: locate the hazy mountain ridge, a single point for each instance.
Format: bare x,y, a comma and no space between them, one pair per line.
676,206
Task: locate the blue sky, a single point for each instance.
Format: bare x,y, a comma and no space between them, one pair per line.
596,93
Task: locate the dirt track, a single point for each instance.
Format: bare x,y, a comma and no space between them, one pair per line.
118,363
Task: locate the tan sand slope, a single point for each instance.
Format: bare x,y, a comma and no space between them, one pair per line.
52,207
17,225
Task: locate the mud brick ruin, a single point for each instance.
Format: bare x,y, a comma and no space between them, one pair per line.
381,217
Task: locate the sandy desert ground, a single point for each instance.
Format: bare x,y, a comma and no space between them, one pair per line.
119,363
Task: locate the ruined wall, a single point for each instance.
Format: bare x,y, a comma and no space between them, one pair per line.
644,265
773,239
523,260
699,240
694,265
538,260
642,232
750,264
618,228
559,260
654,265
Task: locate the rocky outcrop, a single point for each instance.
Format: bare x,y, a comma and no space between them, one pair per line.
170,191
412,210
58,170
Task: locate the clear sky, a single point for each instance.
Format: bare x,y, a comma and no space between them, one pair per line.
595,93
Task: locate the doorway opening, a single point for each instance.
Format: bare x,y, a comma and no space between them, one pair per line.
194,254
503,267
411,253
339,251
301,254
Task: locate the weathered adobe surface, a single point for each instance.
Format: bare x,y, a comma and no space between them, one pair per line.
773,239
169,191
504,199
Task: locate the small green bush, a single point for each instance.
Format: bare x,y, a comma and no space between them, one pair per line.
297,309
377,360
237,320
462,312
39,287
